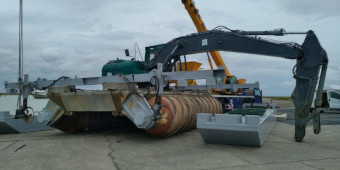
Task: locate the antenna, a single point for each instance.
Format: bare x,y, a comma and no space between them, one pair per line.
135,45
21,52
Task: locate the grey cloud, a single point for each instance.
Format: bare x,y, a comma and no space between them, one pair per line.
313,8
51,54
5,53
6,60
117,35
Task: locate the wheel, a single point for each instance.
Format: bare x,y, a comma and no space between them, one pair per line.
28,118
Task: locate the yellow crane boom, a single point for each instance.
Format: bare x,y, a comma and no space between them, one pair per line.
198,21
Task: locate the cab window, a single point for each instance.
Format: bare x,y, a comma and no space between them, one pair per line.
152,56
335,95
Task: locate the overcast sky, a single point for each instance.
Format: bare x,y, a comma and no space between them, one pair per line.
77,37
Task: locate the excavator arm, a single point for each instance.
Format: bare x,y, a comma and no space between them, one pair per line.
223,41
311,59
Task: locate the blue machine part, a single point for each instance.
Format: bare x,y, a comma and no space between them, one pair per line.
257,93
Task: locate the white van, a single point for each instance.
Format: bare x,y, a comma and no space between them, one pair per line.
331,99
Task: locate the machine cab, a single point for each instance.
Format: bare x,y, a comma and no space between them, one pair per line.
152,51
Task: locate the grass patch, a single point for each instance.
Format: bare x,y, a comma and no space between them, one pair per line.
6,94
278,97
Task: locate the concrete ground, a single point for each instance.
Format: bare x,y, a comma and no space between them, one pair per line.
134,149
328,117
